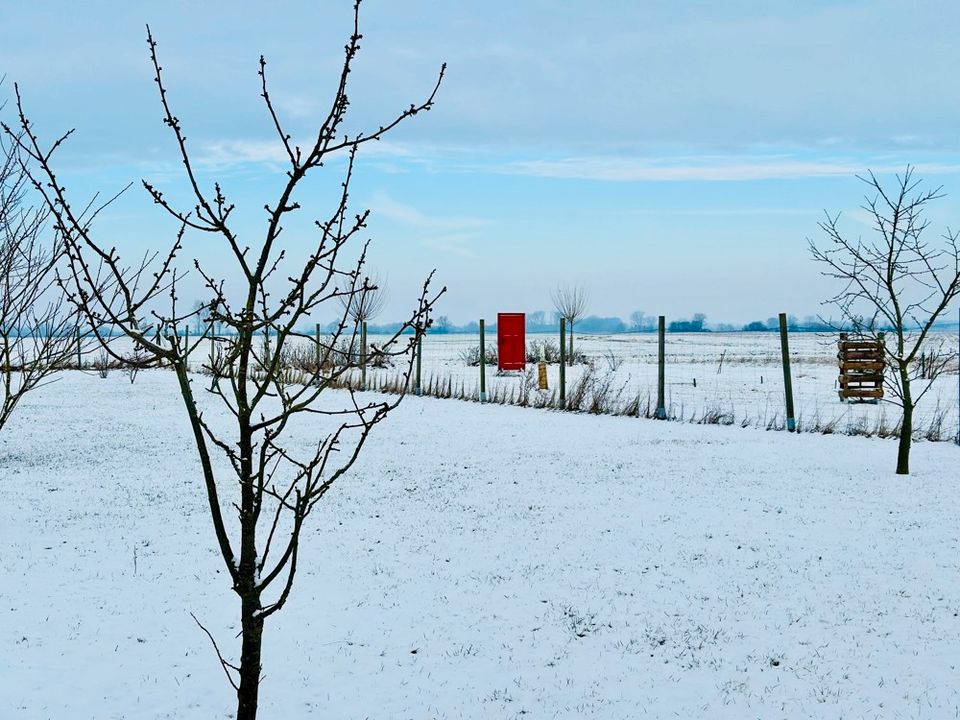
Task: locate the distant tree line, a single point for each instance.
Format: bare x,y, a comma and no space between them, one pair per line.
540,321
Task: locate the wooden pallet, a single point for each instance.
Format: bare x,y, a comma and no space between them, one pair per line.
862,364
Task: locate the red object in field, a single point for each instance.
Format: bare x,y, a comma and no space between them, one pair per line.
511,341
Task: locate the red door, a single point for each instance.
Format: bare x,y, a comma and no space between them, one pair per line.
511,341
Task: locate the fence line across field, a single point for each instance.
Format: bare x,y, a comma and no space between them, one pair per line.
730,377
727,378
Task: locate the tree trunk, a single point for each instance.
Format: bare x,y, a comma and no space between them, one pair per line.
570,353
906,427
248,693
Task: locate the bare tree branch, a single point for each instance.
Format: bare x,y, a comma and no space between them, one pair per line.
39,333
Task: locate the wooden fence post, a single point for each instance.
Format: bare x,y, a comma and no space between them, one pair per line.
319,356
418,389
214,380
563,363
661,413
363,355
787,382
483,362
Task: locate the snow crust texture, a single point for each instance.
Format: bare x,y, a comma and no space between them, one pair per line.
484,562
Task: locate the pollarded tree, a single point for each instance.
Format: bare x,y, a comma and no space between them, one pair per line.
362,305
901,281
273,484
570,302
37,326
366,304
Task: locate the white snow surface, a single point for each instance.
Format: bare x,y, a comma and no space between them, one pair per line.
483,562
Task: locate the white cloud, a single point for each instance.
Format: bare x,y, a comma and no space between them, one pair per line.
224,154
627,169
386,207
454,235
453,244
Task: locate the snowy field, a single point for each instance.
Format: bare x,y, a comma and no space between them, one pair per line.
485,562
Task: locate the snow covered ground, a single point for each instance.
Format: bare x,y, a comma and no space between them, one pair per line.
484,562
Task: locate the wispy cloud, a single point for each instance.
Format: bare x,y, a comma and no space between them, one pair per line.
751,165
453,244
385,206
627,169
450,234
224,154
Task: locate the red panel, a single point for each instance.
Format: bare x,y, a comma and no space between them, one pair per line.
511,341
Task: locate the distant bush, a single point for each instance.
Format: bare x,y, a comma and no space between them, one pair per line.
471,356
543,351
694,325
548,351
343,353
102,364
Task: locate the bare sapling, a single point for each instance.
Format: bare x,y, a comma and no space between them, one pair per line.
570,302
896,285
38,335
260,484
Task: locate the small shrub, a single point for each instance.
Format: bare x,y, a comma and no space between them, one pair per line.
548,351
345,352
132,364
602,400
580,391
102,364
543,351
470,356
613,360
716,416
300,357
934,430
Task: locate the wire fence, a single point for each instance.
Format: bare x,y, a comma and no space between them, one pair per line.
711,377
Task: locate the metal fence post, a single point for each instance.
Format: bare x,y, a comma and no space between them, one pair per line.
563,362
483,362
363,355
317,331
787,382
419,362
661,413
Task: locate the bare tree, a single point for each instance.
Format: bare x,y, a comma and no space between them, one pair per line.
362,305
900,281
37,328
570,301
201,319
273,485
366,302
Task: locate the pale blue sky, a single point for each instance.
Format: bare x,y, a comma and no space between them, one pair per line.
671,156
